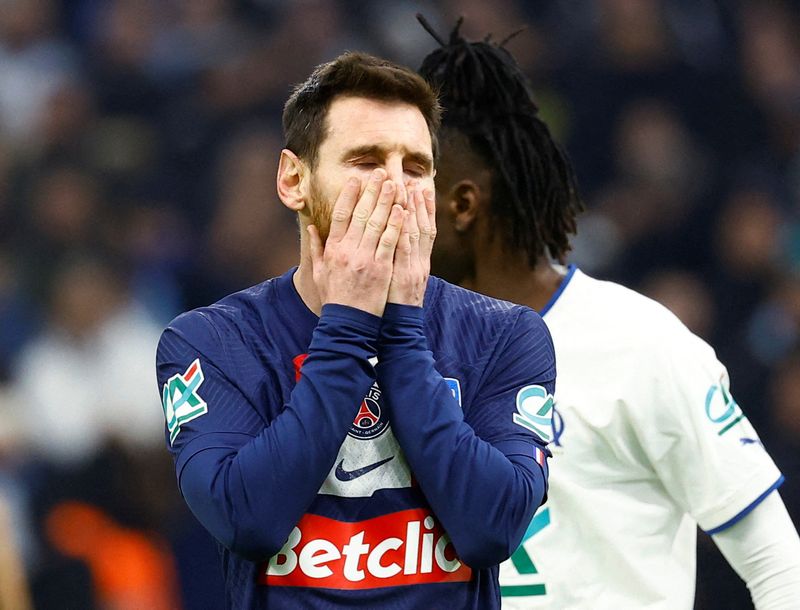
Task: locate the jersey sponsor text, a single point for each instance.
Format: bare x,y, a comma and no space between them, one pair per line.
403,548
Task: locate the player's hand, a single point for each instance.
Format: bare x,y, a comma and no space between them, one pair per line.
354,267
412,259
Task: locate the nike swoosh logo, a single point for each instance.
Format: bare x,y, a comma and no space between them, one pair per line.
349,475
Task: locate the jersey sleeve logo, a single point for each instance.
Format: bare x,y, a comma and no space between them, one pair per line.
535,411
455,388
721,409
180,399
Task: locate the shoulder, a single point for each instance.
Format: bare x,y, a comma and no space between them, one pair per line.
471,311
233,318
462,320
617,301
453,302
606,317
619,311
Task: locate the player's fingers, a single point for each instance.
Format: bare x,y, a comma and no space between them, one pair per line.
426,216
380,215
401,196
343,209
412,223
391,235
365,205
430,206
402,253
315,247
422,213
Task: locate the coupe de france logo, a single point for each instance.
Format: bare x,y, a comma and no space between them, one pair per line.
535,411
721,409
180,399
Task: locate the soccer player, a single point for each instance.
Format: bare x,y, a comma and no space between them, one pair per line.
648,440
355,433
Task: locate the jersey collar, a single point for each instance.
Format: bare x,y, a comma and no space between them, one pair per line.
291,301
570,272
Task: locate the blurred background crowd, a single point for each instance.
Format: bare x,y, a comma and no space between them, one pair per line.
138,148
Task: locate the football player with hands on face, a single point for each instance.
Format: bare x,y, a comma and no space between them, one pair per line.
355,432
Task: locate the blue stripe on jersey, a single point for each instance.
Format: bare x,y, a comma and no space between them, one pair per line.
747,510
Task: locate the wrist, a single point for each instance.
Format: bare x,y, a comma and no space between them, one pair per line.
407,293
372,309
341,325
402,331
403,314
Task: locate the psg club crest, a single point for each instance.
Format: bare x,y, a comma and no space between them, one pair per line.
370,420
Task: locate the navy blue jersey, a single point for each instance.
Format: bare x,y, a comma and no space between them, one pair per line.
353,460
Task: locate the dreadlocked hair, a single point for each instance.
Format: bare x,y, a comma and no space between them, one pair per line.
486,97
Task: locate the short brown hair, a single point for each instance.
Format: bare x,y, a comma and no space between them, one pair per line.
356,74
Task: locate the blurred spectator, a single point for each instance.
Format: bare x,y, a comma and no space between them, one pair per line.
17,319
634,35
771,67
93,428
88,376
124,35
61,132
773,331
33,63
747,240
654,148
63,215
251,236
153,239
685,295
656,202
199,36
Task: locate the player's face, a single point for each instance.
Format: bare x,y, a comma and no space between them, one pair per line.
362,135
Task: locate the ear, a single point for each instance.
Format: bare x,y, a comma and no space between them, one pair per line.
290,180
463,204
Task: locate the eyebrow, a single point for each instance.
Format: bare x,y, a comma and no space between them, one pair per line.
425,160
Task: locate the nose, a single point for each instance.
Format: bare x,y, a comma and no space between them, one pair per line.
394,167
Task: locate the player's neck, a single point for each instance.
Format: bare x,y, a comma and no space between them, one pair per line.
502,277
304,281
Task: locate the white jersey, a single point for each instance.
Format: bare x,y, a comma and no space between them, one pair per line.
648,443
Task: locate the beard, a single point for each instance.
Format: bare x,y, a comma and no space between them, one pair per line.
320,210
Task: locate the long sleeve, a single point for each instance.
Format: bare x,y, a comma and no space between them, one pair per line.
764,549
246,480
484,481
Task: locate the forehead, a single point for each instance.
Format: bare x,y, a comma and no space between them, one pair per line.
353,122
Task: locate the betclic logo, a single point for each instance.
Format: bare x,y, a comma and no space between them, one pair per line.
403,548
